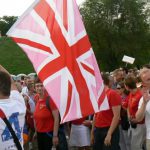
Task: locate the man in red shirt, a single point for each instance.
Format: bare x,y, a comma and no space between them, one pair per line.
137,128
46,121
106,133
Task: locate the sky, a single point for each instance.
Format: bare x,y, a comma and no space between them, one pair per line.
17,7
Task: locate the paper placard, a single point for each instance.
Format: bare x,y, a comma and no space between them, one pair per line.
128,59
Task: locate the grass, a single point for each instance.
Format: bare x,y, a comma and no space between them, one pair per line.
13,58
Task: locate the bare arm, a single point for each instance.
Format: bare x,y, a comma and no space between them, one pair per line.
55,114
128,113
114,124
141,111
13,86
92,130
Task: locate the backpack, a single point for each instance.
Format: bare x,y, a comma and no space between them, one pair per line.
47,103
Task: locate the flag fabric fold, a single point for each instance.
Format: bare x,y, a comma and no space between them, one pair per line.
52,35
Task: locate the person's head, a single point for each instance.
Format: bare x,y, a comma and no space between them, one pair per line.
145,77
18,85
29,80
118,75
26,80
130,82
5,84
111,81
39,88
120,87
106,79
30,87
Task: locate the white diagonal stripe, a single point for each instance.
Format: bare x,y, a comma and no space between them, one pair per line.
70,39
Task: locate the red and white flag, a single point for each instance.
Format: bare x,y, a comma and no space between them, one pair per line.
52,34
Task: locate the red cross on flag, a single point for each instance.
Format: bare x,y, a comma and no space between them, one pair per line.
52,34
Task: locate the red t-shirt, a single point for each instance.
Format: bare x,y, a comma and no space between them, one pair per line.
125,102
43,116
36,98
104,118
29,117
133,102
78,121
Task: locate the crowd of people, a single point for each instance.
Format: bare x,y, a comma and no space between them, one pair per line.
36,120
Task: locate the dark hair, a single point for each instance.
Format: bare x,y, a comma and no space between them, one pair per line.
138,78
22,77
121,84
125,69
5,83
37,80
130,82
106,78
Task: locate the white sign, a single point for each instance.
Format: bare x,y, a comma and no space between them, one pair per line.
128,59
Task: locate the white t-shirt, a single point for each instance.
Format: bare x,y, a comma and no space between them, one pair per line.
14,109
24,90
147,117
32,105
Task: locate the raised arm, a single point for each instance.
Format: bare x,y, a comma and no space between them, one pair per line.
13,86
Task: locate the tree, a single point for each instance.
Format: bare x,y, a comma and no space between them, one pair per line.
117,27
6,22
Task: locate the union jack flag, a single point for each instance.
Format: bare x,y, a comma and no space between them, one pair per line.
53,36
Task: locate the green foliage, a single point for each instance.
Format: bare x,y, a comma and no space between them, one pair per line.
6,22
13,58
116,28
